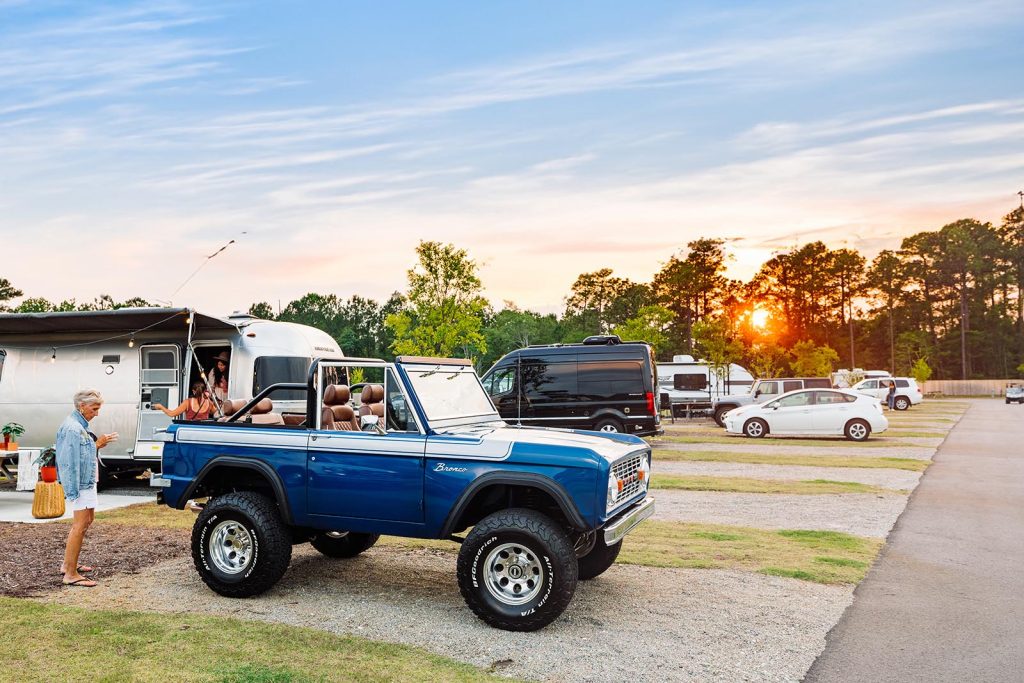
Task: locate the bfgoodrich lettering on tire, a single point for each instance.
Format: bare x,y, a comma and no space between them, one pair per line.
240,545
517,570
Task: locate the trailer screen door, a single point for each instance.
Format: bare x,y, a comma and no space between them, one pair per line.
158,383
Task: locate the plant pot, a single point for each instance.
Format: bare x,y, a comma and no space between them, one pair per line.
48,474
12,446
7,440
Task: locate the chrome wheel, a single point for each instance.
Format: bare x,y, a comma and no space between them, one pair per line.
231,547
609,427
513,574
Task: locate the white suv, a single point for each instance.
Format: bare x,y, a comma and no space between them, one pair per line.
907,392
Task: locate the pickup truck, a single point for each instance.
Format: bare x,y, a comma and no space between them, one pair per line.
419,451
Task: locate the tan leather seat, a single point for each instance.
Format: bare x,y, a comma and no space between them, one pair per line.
345,418
371,402
263,413
337,413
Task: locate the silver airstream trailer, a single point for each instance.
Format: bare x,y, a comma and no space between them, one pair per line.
138,357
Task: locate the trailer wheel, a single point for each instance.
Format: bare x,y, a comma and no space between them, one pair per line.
517,570
598,560
240,545
342,544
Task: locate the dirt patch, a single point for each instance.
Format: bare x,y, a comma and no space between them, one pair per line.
30,563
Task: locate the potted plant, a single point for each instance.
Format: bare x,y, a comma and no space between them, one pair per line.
11,432
47,460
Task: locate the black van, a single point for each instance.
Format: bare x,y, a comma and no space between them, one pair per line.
601,384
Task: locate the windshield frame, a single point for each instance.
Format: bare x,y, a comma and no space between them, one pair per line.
415,372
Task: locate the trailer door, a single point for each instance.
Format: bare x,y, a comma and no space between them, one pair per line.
158,383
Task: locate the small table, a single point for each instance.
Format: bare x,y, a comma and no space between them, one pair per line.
4,457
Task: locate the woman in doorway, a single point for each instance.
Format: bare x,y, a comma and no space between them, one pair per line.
219,376
198,406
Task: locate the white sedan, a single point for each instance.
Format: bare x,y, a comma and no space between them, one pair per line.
811,412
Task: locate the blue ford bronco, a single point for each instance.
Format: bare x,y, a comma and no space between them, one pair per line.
412,448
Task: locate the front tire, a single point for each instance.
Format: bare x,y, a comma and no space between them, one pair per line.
343,545
240,545
755,428
598,560
901,403
857,430
517,570
720,414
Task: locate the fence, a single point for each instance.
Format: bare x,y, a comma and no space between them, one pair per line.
967,387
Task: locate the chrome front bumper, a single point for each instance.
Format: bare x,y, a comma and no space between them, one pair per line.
616,529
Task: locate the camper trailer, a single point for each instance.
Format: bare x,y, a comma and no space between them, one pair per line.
691,384
136,358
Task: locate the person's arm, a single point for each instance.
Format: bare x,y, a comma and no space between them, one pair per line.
172,413
67,461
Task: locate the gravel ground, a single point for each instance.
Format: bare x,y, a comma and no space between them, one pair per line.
752,446
632,623
886,478
861,514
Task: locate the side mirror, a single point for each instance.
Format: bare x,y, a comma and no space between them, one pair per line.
774,406
757,393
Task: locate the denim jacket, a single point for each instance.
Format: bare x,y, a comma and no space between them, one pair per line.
76,456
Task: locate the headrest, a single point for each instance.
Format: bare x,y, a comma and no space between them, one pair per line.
336,394
372,393
232,405
264,406
342,413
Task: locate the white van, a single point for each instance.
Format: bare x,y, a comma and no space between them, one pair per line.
137,357
907,392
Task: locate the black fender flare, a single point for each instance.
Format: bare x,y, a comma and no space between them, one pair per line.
232,461
539,481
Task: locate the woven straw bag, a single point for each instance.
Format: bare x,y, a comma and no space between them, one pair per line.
48,501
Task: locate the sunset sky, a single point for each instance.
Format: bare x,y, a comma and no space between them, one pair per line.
547,139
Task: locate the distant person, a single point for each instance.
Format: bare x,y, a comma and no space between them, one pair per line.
890,398
219,376
198,406
78,467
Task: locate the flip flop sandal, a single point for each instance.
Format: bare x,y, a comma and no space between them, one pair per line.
82,569
78,582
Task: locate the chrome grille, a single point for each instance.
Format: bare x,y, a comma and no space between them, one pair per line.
625,470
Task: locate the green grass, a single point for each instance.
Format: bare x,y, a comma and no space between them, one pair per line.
911,434
53,643
909,464
751,485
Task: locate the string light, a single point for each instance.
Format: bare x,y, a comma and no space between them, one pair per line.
131,342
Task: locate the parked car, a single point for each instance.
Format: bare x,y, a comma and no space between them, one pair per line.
765,390
602,384
421,452
814,412
1014,392
907,392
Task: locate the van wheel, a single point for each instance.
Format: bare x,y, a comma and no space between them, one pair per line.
901,403
341,544
609,425
857,430
720,412
597,561
240,545
755,428
517,570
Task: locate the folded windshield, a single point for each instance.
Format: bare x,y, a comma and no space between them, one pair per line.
447,392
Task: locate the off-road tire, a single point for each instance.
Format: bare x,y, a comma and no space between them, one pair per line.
349,545
598,560
755,428
271,544
545,542
901,403
609,424
720,412
857,430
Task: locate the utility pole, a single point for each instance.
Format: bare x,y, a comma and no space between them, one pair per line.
1020,193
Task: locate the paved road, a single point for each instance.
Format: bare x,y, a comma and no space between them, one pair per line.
945,601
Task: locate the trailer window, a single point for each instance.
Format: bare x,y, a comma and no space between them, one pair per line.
275,369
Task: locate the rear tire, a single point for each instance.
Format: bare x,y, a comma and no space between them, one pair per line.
857,430
610,425
598,560
517,570
755,428
901,403
240,545
343,546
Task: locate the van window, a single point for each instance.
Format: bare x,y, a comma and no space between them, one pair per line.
549,380
501,381
274,369
609,378
818,383
902,383
870,384
792,385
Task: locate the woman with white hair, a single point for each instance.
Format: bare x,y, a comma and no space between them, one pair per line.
78,468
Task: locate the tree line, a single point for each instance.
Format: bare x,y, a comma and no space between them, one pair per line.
948,301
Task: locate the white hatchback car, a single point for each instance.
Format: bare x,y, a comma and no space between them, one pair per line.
908,393
811,412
